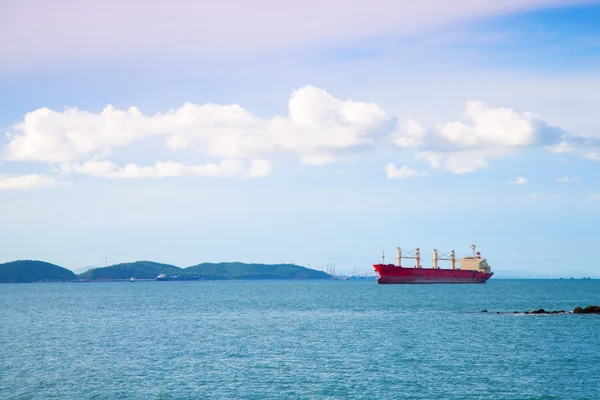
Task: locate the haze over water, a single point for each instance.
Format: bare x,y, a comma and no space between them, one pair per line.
283,339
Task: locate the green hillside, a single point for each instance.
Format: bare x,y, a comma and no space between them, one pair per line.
33,271
238,270
207,271
138,270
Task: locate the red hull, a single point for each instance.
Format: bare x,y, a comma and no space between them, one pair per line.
389,273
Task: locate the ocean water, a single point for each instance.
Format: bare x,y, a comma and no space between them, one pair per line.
300,339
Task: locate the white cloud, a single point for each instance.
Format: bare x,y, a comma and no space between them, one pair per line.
170,169
32,181
520,180
434,159
489,128
567,179
464,146
409,134
259,168
460,162
318,129
592,156
404,172
562,147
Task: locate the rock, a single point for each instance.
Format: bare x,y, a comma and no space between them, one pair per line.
591,310
587,310
576,310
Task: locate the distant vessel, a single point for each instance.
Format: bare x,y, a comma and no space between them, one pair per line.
361,277
472,269
132,279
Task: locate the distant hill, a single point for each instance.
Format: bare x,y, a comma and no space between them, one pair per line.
238,270
207,271
33,271
138,270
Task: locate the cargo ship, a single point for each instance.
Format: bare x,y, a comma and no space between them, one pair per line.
472,269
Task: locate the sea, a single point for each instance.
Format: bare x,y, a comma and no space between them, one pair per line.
298,340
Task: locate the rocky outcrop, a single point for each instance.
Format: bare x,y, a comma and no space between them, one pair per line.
587,310
541,311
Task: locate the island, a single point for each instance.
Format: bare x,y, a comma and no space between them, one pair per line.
238,270
203,271
137,270
23,271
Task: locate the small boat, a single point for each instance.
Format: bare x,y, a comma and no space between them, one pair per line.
132,279
162,277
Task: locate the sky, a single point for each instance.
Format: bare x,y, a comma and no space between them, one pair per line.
313,132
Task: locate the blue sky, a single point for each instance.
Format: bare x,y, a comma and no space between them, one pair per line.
462,101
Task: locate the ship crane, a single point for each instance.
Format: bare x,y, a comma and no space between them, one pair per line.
445,257
412,254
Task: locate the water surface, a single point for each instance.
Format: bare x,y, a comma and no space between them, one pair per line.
298,339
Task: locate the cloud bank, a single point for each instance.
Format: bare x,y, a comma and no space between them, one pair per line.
224,141
319,129
484,133
24,182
